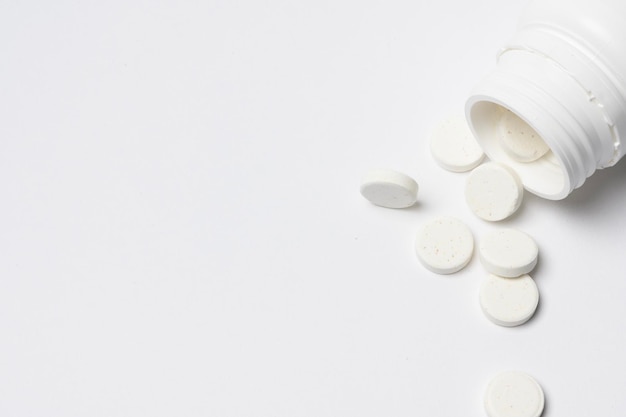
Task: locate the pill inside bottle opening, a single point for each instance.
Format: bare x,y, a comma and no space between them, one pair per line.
519,139
508,138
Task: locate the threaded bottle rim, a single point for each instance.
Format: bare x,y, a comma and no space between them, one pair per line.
551,102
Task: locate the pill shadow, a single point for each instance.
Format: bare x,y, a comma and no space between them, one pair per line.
510,221
417,206
537,273
538,314
546,403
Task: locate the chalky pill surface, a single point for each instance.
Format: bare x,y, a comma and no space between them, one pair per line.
453,145
514,394
508,252
520,141
508,301
444,245
493,191
388,188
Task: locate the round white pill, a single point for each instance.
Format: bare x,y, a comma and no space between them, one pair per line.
508,252
387,188
453,145
519,140
508,301
514,394
493,191
444,245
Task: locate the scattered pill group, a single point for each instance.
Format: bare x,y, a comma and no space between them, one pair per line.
493,191
508,296
508,252
453,145
508,301
444,245
514,394
388,188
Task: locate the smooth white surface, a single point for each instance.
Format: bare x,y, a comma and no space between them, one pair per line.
388,188
168,245
493,191
508,301
453,145
514,394
444,245
508,252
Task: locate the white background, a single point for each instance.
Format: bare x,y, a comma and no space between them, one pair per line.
181,232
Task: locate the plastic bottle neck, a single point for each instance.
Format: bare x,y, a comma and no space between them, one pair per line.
555,99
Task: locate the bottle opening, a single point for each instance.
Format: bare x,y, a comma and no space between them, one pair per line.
510,139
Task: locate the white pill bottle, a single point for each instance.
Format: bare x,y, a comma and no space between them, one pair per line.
563,75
